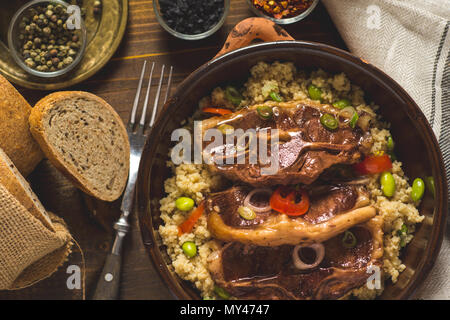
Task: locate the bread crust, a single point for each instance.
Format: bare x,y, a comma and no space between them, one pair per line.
12,180
38,131
16,139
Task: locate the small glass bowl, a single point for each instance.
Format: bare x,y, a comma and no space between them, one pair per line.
183,36
290,20
14,41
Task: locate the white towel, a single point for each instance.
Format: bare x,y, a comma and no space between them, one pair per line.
410,41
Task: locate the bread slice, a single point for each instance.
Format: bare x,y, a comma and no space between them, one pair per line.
16,184
85,139
15,136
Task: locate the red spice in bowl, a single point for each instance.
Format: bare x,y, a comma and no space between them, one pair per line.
280,9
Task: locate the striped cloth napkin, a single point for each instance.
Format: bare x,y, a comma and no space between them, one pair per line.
410,41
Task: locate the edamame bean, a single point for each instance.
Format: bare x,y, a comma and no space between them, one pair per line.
189,249
430,185
341,104
314,92
184,203
387,184
418,189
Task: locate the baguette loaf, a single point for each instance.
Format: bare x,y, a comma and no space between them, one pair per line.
15,183
16,139
85,139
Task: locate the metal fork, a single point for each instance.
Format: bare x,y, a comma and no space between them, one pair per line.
109,282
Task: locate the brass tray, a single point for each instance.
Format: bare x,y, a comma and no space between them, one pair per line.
104,34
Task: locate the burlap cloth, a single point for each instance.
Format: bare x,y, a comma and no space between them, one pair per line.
29,251
410,41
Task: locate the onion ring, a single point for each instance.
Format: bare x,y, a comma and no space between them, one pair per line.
301,265
349,115
247,200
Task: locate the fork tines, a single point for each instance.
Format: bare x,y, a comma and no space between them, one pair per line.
142,121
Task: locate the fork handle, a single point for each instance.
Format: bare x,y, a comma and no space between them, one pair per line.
108,284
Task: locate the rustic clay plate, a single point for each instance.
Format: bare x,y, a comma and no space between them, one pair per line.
104,34
416,145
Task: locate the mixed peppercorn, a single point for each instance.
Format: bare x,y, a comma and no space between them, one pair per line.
46,43
281,9
191,16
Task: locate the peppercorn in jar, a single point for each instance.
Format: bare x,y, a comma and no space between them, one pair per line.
47,42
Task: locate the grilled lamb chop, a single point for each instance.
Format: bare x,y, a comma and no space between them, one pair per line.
332,210
306,148
253,272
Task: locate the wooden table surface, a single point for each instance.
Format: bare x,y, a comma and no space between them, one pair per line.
90,222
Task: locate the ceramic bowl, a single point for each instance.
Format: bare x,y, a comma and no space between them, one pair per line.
416,145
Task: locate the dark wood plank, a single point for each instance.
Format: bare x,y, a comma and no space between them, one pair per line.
116,83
